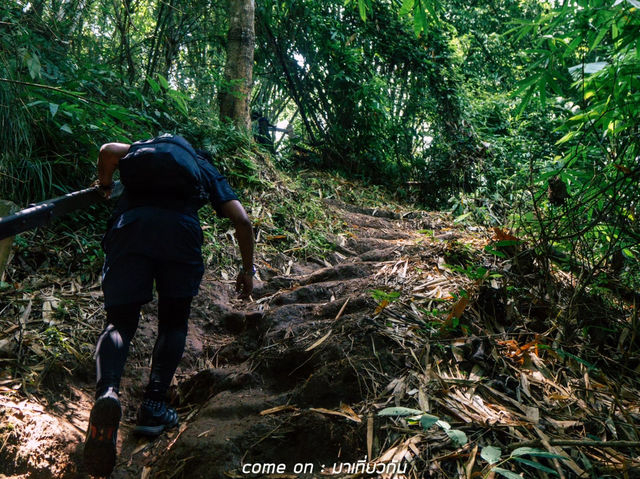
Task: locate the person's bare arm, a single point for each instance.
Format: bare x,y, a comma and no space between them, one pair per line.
108,160
244,233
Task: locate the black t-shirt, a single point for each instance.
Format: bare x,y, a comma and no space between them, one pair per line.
216,185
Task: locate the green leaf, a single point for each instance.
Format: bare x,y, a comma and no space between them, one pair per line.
35,103
427,420
380,295
566,137
163,82
153,84
419,18
362,8
462,217
53,108
33,64
430,5
572,46
178,99
598,38
494,252
525,100
399,411
532,451
535,465
458,437
407,7
491,454
502,243
527,83
506,473
66,128
444,425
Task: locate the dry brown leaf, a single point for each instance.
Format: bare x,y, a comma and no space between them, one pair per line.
383,304
624,169
330,412
318,342
348,410
471,462
342,309
501,235
455,313
275,237
370,433
273,410
458,308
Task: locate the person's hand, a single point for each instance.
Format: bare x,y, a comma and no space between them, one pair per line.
104,191
244,285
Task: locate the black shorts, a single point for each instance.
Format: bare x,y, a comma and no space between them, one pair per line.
130,278
146,245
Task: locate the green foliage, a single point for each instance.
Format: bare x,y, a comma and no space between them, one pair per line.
493,456
476,107
584,195
416,416
389,296
62,98
358,86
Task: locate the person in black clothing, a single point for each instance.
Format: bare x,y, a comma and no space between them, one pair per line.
262,134
151,240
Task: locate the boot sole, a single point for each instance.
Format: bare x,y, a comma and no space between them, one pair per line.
100,449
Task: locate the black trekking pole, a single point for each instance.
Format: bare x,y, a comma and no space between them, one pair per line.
39,214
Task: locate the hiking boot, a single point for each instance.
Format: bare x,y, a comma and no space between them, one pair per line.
100,444
154,417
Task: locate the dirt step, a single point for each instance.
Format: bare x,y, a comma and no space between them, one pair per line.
365,221
377,212
232,433
377,255
341,272
385,234
362,245
229,405
202,385
319,292
215,440
288,319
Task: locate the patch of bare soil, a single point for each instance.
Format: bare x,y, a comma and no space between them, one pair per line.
291,385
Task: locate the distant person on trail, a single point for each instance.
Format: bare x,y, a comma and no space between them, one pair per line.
154,234
262,130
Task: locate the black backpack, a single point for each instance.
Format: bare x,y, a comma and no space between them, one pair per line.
163,166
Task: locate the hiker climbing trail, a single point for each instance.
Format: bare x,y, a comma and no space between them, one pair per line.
275,367
408,315
249,379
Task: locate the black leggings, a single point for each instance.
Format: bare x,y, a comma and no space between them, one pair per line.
113,345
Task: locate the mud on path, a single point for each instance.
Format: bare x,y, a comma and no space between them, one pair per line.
286,379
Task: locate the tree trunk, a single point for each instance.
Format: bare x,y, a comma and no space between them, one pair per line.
236,92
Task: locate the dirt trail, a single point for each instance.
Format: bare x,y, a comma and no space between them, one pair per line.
304,347
406,311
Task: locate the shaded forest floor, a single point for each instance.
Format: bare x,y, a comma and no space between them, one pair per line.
409,310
